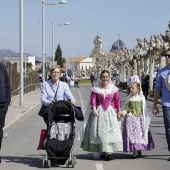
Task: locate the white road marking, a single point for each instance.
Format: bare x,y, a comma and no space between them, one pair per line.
99,166
82,103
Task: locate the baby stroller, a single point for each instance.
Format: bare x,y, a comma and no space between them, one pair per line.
61,134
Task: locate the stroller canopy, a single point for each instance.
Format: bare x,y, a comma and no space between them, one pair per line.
62,109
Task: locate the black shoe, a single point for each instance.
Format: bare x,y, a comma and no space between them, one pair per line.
169,159
134,155
0,159
109,157
102,156
139,152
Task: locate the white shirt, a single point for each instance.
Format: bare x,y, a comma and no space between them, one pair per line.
132,79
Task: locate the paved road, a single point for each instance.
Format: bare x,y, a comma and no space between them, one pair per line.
19,150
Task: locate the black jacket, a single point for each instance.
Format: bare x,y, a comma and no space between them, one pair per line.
63,78
5,89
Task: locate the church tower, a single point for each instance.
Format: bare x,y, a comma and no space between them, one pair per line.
97,52
97,45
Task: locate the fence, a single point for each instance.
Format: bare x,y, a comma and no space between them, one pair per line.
31,80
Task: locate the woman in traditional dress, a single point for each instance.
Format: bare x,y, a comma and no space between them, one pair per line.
136,134
101,131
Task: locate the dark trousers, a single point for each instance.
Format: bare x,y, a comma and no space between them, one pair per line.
166,116
92,83
76,85
3,111
145,90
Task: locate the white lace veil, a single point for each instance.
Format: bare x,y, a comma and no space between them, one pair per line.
97,89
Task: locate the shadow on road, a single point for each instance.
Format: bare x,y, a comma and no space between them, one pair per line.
29,161
121,156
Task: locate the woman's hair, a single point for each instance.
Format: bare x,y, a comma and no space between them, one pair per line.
53,68
104,71
137,85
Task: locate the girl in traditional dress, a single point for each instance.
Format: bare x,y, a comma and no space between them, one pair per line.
136,134
101,131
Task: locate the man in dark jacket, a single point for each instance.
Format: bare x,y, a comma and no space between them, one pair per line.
5,98
64,78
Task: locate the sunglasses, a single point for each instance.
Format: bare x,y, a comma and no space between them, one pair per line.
167,55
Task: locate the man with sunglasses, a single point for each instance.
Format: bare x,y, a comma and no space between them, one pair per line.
163,84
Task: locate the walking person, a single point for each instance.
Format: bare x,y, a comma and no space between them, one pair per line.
145,84
92,79
49,88
101,131
163,86
135,132
76,82
5,98
64,78
72,82
132,78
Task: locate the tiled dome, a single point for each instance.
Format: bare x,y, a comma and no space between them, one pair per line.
118,45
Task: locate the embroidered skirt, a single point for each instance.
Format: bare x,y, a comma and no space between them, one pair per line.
134,135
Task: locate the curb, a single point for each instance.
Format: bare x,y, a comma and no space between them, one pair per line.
25,114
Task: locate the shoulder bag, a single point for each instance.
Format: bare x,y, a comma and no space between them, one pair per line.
45,109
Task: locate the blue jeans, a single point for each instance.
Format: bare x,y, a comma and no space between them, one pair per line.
166,115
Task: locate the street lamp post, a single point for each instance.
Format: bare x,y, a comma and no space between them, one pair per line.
72,60
43,32
54,25
21,50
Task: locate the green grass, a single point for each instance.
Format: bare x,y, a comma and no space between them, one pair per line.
84,81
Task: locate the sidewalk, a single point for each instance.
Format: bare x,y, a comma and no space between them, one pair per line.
15,114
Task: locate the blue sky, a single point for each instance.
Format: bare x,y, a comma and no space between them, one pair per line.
130,18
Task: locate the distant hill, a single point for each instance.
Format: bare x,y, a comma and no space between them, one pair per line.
10,53
7,52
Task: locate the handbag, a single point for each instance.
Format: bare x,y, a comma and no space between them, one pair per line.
43,136
44,110
78,113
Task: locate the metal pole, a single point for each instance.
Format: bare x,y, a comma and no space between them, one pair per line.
21,51
66,62
53,41
43,40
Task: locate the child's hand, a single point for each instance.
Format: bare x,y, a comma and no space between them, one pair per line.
122,114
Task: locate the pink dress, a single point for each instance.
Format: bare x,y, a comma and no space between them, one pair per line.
103,132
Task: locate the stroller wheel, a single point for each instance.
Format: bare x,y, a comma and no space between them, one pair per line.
67,163
73,162
74,159
49,163
46,163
